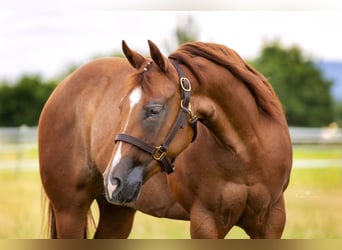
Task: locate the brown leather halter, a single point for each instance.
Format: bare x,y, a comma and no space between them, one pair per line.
159,152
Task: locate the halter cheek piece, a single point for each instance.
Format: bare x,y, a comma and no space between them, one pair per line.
158,153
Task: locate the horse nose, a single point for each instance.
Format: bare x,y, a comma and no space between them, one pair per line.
123,181
114,185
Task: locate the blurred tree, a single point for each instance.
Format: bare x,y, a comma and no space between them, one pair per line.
21,103
338,113
299,84
186,31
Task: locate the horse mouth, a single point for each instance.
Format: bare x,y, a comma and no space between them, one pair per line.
125,196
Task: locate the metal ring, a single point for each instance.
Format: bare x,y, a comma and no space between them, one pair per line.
182,79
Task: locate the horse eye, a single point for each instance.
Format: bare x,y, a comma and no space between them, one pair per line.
153,110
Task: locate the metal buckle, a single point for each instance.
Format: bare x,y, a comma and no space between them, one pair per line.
187,109
158,153
181,80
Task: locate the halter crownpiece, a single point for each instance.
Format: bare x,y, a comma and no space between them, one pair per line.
158,153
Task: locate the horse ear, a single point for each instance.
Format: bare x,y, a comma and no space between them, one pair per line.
157,56
134,58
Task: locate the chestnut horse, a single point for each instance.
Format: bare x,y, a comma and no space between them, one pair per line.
112,127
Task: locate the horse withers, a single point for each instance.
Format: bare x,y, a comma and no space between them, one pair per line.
125,133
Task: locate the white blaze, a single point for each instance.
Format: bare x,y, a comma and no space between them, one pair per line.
134,98
117,156
110,187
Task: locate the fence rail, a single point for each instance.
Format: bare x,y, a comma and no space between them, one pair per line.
18,146
329,135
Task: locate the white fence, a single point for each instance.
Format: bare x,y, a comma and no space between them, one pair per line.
329,135
18,146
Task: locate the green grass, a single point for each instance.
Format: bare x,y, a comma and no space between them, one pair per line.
20,210
313,214
317,152
25,154
313,202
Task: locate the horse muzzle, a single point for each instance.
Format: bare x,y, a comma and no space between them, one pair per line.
123,187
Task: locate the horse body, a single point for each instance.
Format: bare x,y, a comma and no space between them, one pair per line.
234,173
246,159
242,168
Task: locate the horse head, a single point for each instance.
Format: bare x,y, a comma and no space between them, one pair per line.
154,128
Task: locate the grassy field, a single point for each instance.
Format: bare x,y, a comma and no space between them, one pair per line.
313,201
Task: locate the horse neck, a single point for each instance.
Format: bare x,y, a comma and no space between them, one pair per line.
226,107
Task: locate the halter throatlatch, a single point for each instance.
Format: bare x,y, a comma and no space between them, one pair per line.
158,153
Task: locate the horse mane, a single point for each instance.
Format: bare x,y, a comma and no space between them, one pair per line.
257,84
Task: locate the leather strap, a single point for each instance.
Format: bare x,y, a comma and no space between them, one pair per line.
158,153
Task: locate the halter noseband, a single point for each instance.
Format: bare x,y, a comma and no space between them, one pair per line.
158,153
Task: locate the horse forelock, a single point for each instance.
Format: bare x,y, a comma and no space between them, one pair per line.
139,79
221,55
145,78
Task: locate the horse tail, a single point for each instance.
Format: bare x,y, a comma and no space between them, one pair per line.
49,228
52,230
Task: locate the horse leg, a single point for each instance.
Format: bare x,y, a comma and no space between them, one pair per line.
275,220
271,224
71,218
204,224
115,221
214,215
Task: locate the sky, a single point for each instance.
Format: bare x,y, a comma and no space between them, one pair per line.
48,40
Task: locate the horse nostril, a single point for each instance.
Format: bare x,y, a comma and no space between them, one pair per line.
113,185
115,181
